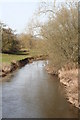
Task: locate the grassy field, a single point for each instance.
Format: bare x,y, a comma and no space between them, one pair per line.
7,58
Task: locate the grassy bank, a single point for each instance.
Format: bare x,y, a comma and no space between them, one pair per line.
7,58
18,60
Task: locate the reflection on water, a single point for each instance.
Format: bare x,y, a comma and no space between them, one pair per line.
32,93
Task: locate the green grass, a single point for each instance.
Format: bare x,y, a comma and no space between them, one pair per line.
7,58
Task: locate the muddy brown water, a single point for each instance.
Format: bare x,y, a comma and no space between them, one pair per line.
32,93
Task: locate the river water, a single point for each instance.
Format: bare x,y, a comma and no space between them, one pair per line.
32,93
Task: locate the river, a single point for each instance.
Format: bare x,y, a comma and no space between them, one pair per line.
32,93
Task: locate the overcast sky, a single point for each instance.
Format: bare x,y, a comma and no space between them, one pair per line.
17,13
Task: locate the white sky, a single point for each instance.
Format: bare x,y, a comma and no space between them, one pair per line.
17,13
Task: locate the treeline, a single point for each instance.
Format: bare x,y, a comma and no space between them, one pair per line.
9,40
33,43
60,31
13,43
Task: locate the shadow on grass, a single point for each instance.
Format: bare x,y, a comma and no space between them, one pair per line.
18,53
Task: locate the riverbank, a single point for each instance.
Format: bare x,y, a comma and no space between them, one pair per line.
5,68
69,79
68,76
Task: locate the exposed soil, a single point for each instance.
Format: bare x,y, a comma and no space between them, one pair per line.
69,79
68,76
5,68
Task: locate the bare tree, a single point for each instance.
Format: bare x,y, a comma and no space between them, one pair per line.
61,33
